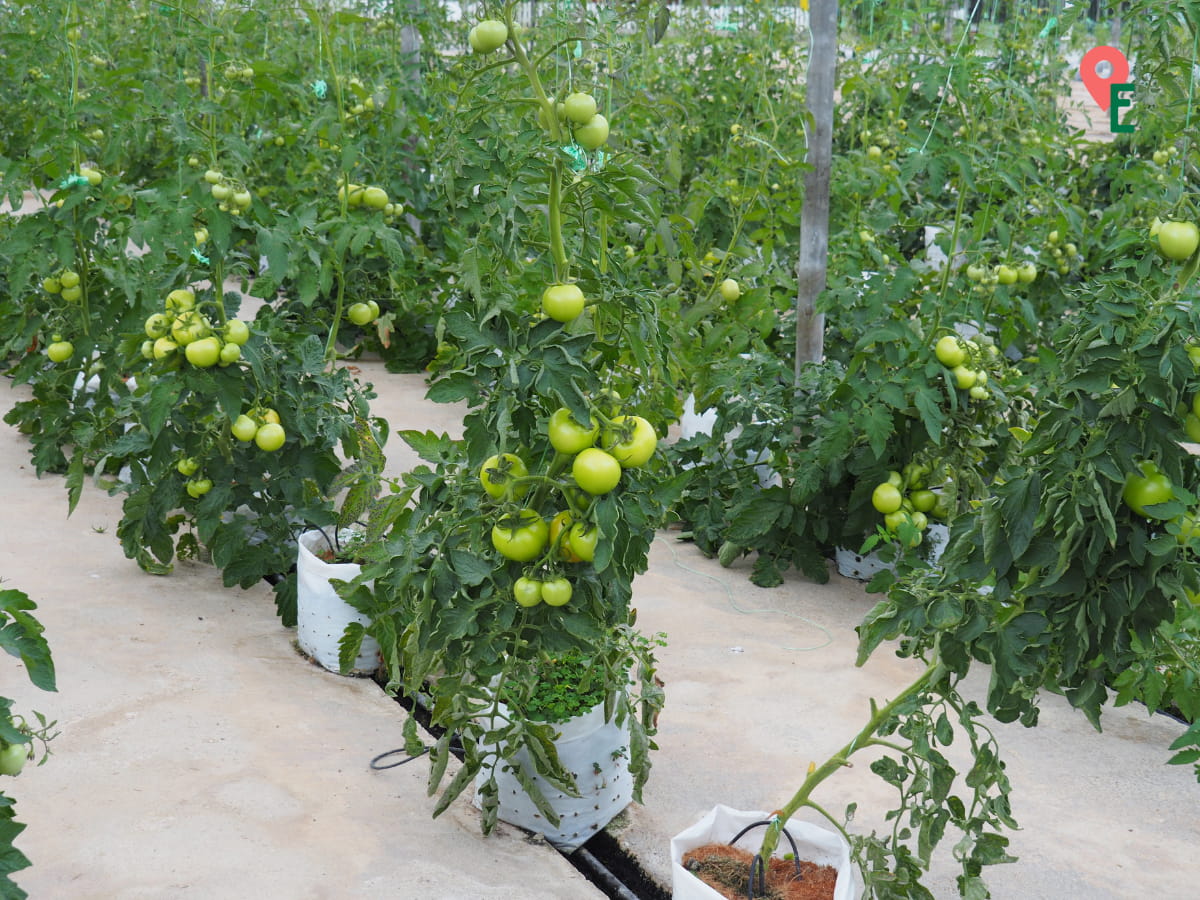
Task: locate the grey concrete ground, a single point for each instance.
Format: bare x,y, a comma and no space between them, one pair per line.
201,756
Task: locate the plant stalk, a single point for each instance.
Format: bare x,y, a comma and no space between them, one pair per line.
842,758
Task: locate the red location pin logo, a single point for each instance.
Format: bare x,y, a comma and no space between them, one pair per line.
1097,85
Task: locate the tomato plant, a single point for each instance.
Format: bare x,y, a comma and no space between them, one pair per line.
21,636
484,557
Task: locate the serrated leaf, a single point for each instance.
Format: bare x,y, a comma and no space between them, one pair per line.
456,786
471,569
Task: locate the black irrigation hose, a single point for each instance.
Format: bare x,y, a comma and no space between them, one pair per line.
610,881
378,768
455,748
758,865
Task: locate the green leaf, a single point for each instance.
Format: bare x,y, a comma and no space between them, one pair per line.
22,637
74,480
457,785
471,569
163,398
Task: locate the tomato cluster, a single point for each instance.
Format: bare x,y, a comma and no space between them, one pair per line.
261,425
578,111
65,284
968,360
907,502
182,324
533,529
232,196
359,196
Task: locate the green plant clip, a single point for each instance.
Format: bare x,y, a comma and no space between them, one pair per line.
1051,24
72,181
578,157
199,257
320,89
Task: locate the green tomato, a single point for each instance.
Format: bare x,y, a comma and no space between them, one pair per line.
13,758
244,428
488,35
237,332
730,290
923,501
157,326
1146,489
527,591
187,465
1006,274
180,299
230,353
375,198
1178,240
592,135
359,314
60,351
631,440
1191,425
563,545
164,347
1188,528
374,307
886,498
497,473
556,591
949,352
522,537
567,435
205,352
595,471
197,488
563,302
580,107
964,378
69,279
189,326
1026,273
270,437
583,539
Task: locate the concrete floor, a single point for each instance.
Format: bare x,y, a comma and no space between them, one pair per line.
201,756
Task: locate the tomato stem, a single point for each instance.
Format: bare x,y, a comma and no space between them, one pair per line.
562,265
864,738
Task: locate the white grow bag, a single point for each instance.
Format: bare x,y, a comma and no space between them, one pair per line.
595,752
813,843
865,567
321,615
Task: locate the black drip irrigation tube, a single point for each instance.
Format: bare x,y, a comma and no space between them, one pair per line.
601,860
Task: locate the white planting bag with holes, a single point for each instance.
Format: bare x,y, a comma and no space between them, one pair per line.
321,615
596,753
813,843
